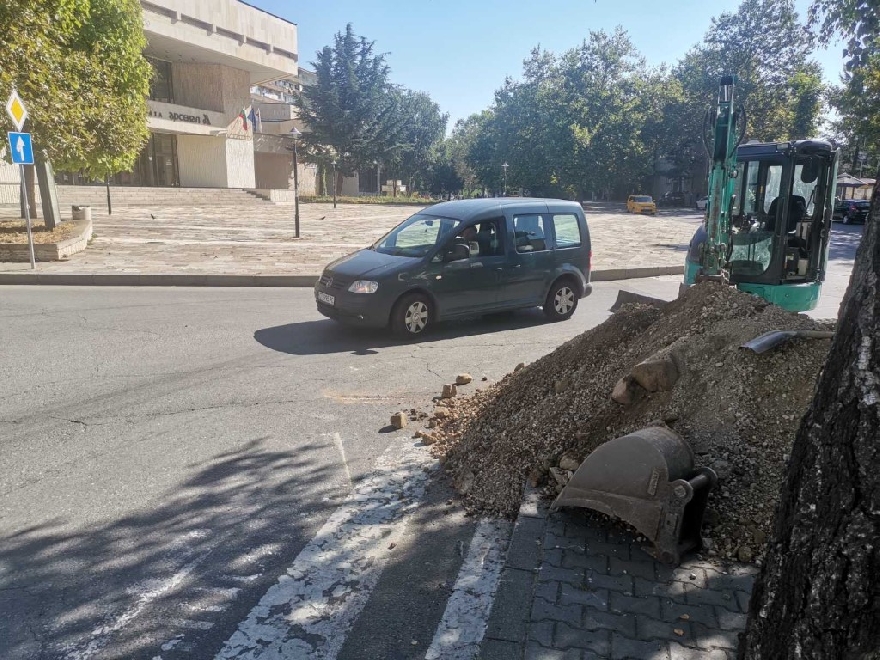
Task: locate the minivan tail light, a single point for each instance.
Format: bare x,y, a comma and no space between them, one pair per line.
590,265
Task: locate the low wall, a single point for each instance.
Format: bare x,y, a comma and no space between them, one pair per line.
49,251
277,195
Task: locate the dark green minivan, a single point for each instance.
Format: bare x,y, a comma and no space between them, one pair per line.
464,258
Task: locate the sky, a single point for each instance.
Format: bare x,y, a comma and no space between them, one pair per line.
460,51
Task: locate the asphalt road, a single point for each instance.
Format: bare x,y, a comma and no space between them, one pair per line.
166,453
160,446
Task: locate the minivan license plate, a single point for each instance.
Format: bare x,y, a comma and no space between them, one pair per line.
326,298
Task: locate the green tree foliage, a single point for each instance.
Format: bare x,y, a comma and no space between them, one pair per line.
768,49
586,122
79,68
596,120
356,116
418,131
350,111
857,23
457,150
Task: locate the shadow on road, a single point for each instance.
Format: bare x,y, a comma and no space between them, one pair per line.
326,336
226,527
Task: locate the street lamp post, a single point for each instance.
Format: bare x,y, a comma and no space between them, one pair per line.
334,183
378,178
295,133
504,167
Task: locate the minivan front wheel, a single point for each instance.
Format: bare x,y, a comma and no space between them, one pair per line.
561,301
411,316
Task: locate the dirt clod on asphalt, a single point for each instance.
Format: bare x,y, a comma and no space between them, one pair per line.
738,410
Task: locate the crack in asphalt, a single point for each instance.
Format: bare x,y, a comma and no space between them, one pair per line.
73,421
234,404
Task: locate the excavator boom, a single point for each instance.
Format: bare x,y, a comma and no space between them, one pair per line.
721,182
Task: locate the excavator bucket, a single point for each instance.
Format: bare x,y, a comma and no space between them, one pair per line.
627,297
648,480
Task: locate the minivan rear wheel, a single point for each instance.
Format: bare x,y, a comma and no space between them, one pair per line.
561,301
411,316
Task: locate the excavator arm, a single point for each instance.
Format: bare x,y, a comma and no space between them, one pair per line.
722,180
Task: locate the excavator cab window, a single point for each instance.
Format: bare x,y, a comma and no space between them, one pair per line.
751,248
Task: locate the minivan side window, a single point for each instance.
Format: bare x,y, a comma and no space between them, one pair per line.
529,234
568,231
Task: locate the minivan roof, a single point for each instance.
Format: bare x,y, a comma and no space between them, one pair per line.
465,209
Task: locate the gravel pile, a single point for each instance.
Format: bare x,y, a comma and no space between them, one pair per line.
739,411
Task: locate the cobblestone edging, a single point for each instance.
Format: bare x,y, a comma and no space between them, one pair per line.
576,589
19,252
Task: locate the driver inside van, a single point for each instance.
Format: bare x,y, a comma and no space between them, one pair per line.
468,236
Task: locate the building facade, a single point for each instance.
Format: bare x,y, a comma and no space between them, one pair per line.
206,57
275,118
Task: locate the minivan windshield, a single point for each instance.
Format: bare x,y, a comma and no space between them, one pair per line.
642,198
416,236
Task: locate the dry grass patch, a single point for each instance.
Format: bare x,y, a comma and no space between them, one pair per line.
15,231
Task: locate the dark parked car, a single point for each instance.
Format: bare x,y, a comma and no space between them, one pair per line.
672,199
464,258
851,210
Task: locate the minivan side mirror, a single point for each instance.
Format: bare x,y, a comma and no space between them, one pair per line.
457,252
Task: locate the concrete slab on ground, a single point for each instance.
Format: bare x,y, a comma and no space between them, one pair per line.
259,240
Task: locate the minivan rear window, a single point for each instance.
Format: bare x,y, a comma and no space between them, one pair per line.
568,232
529,233
416,236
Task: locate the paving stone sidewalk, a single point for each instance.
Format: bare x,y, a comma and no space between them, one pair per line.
592,593
260,240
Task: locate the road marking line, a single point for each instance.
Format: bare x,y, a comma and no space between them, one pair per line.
308,612
100,636
464,622
338,440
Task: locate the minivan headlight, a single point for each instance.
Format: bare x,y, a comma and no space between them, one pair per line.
363,286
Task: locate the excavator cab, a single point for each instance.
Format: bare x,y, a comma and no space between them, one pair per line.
779,222
768,219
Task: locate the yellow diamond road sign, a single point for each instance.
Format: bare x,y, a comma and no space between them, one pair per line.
16,110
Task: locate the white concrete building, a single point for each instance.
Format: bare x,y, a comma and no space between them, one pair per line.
207,54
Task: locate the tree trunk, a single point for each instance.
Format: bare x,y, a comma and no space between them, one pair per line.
818,595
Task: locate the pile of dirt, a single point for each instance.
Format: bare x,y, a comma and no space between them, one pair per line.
738,411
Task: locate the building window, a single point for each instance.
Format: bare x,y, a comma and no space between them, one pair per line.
160,86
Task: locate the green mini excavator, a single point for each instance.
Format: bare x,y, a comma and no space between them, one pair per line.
768,218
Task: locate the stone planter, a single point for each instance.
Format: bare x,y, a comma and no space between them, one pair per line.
50,251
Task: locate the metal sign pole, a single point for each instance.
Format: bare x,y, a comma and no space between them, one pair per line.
295,190
27,217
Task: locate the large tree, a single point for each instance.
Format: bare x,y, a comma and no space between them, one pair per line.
818,595
350,111
410,149
79,68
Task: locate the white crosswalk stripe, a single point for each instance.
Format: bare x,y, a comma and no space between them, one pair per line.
308,612
464,622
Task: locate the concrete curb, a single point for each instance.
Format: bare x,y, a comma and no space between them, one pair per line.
136,279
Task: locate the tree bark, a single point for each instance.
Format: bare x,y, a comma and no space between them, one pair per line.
818,595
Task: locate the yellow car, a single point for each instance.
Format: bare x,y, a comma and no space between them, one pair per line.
641,204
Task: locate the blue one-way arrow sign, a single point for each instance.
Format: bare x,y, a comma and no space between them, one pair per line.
22,149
